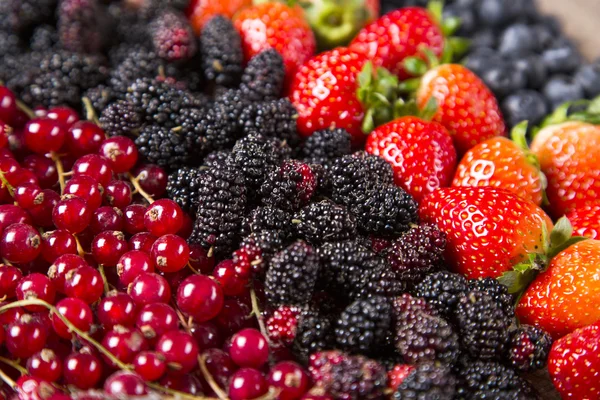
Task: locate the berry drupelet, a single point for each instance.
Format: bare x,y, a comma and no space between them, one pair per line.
120,119
100,97
81,25
528,348
427,381
496,291
325,221
314,332
221,51
290,186
182,187
172,36
268,218
166,147
272,118
264,76
442,291
324,146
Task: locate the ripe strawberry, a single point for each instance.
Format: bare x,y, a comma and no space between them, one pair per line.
324,91
466,106
574,364
569,155
398,35
586,220
200,11
567,295
420,152
488,230
277,26
505,164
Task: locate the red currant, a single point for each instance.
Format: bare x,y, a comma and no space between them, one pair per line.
233,317
108,247
207,335
76,312
84,283
200,297
28,195
8,105
132,264
41,214
142,241
290,379
25,337
11,214
149,365
65,115
117,194
124,343
45,365
72,214
44,135
162,217
134,218
95,166
249,348
87,188
82,370
183,383
56,243
43,168
121,153
84,137
20,243
247,383
200,261
155,319
152,179
9,279
61,266
231,283
36,286
116,309
106,219
124,384
149,288
170,253
180,351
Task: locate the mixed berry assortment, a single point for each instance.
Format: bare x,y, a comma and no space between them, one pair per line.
191,207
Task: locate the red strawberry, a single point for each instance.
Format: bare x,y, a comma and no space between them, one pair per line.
586,220
200,11
398,35
567,295
277,26
574,364
466,106
488,230
505,164
420,152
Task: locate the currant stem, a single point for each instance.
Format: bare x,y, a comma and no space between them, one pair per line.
7,185
257,313
90,113
80,250
138,189
13,365
60,170
104,280
25,109
8,381
176,394
209,378
182,319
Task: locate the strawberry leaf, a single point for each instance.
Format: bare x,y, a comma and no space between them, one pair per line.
518,134
430,109
415,66
450,25
562,232
368,123
555,250
517,281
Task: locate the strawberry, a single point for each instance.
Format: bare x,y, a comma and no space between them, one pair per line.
489,230
567,295
505,164
200,11
420,152
277,26
466,106
398,35
586,220
574,364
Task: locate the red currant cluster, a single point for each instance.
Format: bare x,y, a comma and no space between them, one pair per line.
99,288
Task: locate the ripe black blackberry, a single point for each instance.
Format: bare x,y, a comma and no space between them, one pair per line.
269,241
264,76
222,199
128,25
44,37
120,119
269,218
325,222
272,118
314,332
364,325
442,290
215,158
326,145
528,348
100,97
182,187
387,211
342,265
482,324
417,253
221,51
427,381
292,275
497,291
169,148
81,25
348,377
20,16
377,280
172,36
289,186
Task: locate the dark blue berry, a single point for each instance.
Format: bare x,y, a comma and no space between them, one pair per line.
588,77
524,105
561,57
517,39
504,79
561,88
534,69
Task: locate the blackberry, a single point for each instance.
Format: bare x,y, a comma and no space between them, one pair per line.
100,97
272,118
222,199
216,158
182,187
169,148
20,16
80,25
324,146
378,280
528,348
268,218
387,211
325,222
129,27
314,332
442,290
348,377
266,243
418,252
172,36
120,119
292,275
221,51
9,44
289,186
482,324
427,381
364,325
264,76
44,37
497,291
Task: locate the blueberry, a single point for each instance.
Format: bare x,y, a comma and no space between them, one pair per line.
561,88
524,105
466,15
504,79
483,38
534,70
544,35
588,77
561,57
517,39
497,13
482,59
466,3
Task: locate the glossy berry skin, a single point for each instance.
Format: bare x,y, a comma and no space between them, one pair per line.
117,194
574,364
324,93
420,152
488,230
84,283
95,166
61,266
276,26
567,295
163,217
170,253
207,335
73,214
25,337
200,297
8,105
132,264
290,378
142,241
124,343
586,221
247,383
133,218
65,115
124,384
180,351
249,348
35,286
466,106
41,214
152,178
57,243
149,288
231,283
28,195
397,35
200,261
116,309
568,155
108,247
106,219
20,243
149,365
43,168
45,365
76,312
156,319
87,188
84,137
11,214
121,153
82,370
9,280
44,135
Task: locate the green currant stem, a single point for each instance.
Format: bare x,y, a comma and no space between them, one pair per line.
209,378
60,170
90,113
14,365
80,250
176,394
8,381
5,183
25,109
256,311
104,280
193,269
138,189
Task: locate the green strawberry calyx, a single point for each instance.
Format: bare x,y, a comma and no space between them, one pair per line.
587,111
